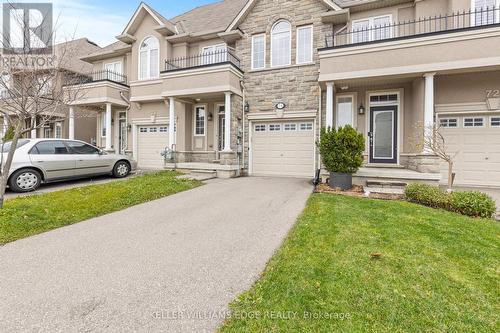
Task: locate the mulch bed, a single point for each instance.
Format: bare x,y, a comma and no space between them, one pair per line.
356,191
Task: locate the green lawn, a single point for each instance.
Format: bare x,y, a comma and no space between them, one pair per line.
438,272
25,216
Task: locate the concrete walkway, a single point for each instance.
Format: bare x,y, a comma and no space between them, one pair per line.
155,267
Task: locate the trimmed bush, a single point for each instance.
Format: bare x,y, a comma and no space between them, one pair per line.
470,203
341,149
427,195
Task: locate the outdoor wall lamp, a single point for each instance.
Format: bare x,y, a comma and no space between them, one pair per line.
361,109
210,116
247,107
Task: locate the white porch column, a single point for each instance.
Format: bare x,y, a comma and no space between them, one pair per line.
109,137
227,122
171,122
71,123
329,104
428,104
33,131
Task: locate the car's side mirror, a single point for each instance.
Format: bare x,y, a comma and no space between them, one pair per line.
100,152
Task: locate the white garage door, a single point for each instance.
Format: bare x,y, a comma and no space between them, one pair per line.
475,140
151,141
283,148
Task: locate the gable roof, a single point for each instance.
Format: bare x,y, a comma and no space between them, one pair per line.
212,17
251,3
139,13
111,50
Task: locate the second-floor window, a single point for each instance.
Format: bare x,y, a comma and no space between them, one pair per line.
304,44
371,28
485,12
214,54
259,51
149,58
281,44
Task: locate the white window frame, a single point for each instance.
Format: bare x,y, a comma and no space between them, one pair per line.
297,44
491,121
114,64
306,125
148,60
291,127
473,9
260,128
204,119
103,125
275,127
473,121
210,55
448,122
252,57
353,109
58,131
289,44
371,27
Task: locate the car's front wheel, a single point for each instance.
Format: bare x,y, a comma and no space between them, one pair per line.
25,180
121,169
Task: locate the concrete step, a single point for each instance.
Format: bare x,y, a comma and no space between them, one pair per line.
386,184
384,190
200,175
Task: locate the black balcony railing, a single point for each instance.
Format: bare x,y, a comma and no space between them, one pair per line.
471,19
97,76
203,59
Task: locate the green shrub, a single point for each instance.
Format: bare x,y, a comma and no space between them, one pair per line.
472,203
341,149
9,134
427,195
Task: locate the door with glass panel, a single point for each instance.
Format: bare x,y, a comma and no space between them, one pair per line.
222,126
383,134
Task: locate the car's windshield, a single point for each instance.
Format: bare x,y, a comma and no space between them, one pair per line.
8,145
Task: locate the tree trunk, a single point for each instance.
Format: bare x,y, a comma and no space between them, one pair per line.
4,176
450,174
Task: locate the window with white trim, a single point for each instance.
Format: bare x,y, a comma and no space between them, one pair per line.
214,54
495,122
260,128
290,127
115,67
47,132
163,129
473,122
274,127
448,122
306,127
58,131
143,129
103,124
149,54
345,112
304,44
259,51
371,28
153,129
281,44
484,12
199,121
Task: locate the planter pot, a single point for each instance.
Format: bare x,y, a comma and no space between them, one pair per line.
340,180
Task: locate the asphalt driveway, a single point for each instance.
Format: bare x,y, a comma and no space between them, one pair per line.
168,265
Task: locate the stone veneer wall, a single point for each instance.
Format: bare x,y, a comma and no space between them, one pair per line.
295,85
421,162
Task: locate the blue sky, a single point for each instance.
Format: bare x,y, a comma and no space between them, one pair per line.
101,21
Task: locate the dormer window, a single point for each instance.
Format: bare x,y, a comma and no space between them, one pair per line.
281,44
149,58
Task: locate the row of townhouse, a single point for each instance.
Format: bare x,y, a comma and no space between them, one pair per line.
54,123
244,86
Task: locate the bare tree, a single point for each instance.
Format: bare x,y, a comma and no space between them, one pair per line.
32,94
433,141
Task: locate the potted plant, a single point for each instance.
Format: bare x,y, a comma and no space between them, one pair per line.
342,154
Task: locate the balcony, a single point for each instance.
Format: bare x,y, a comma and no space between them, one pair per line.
459,21
202,60
208,74
98,76
446,43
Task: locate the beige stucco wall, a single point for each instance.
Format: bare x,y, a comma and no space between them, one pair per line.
465,88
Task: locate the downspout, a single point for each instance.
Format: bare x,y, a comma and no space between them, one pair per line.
122,95
243,125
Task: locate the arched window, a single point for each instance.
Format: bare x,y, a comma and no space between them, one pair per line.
149,58
281,44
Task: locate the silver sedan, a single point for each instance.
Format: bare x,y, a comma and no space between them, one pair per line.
48,160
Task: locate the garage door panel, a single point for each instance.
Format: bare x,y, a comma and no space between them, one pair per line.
149,147
284,152
477,153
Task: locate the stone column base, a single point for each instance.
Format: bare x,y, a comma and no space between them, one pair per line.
425,163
